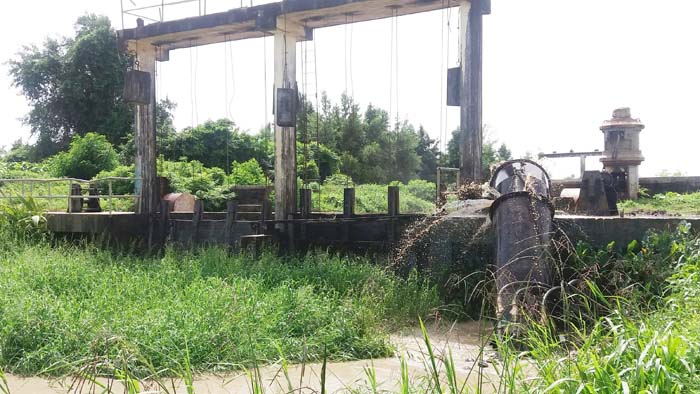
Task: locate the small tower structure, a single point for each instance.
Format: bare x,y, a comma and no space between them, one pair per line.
622,156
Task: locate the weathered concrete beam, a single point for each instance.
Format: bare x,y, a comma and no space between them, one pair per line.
260,21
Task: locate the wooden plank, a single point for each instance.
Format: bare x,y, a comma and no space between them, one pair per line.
471,91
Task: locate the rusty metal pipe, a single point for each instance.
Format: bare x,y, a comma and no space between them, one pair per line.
522,219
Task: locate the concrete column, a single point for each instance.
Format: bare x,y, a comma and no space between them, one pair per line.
470,96
145,138
285,137
633,182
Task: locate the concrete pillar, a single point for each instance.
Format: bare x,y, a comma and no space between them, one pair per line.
145,138
470,95
285,137
633,181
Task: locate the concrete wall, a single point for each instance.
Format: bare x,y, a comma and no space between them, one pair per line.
654,185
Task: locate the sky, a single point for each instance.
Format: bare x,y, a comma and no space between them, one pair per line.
554,70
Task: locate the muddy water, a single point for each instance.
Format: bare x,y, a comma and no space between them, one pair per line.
464,340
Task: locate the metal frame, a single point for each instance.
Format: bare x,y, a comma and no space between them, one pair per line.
440,170
161,9
32,181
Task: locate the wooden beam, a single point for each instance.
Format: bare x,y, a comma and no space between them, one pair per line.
285,137
471,14
145,167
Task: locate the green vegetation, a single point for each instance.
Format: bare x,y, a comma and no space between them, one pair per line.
666,203
635,348
86,157
64,305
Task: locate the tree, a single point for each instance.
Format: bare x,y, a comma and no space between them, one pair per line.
87,157
218,144
406,160
74,85
428,151
490,155
19,152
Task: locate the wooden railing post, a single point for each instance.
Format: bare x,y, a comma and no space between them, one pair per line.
164,220
393,208
305,201
393,200
231,209
349,202
197,219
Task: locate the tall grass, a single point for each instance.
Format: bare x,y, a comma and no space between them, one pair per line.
67,304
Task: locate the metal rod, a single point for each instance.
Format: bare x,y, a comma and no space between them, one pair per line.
70,192
163,4
111,204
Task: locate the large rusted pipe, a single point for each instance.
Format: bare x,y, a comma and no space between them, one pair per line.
522,218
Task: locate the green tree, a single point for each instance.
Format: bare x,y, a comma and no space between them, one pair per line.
74,85
429,152
490,155
247,173
19,152
218,144
86,157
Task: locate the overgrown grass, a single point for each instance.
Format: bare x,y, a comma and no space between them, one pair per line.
62,306
642,345
666,203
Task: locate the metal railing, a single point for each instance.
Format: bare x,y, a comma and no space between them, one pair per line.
28,187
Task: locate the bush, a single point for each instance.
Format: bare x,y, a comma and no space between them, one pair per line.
422,189
87,156
118,186
247,173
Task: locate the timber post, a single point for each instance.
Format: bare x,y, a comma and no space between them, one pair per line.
231,209
285,137
145,168
164,220
197,215
470,92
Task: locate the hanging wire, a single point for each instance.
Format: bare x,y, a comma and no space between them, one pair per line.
345,52
267,124
391,67
196,67
442,72
226,109
318,143
352,83
227,103
191,88
447,61
396,34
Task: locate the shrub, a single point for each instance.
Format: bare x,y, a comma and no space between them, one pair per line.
118,186
247,173
422,189
86,157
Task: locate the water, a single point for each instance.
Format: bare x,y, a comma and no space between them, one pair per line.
466,341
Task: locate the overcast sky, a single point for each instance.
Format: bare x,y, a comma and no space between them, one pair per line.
553,71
